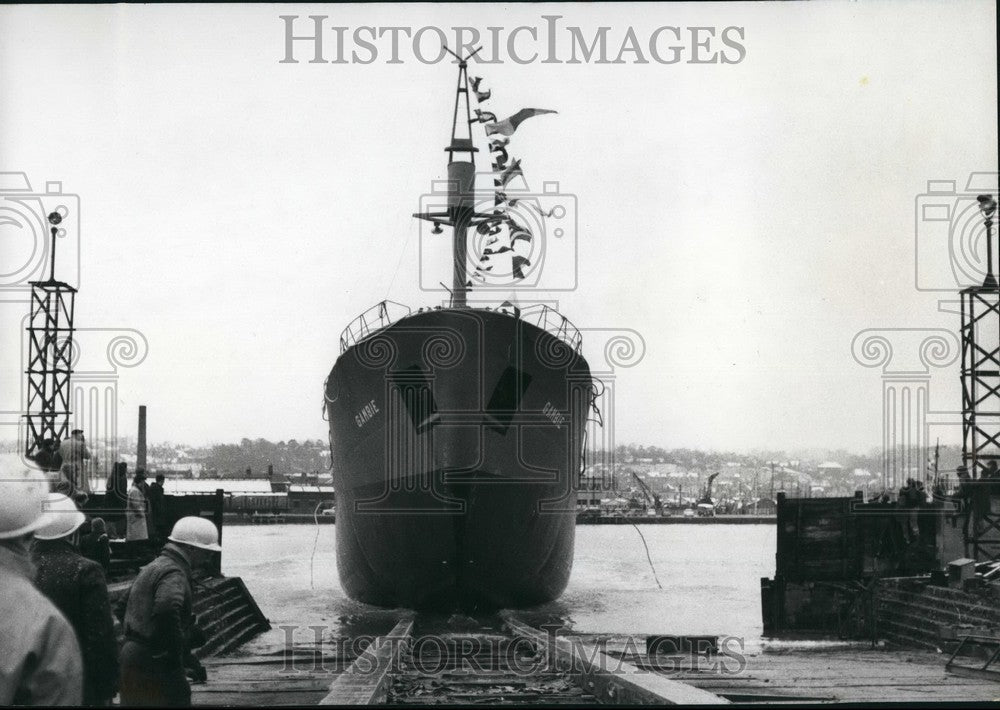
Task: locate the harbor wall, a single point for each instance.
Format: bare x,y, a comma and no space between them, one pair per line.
913,612
830,552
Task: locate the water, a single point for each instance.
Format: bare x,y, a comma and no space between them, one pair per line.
710,576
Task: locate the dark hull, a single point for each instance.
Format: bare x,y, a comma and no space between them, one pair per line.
457,438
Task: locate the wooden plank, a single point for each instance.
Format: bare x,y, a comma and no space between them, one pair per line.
246,700
367,681
839,675
626,685
298,662
265,686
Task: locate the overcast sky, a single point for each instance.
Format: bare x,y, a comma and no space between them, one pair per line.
747,217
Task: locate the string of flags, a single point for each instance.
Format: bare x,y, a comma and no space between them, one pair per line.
507,126
503,173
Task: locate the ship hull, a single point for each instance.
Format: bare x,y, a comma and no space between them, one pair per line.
457,438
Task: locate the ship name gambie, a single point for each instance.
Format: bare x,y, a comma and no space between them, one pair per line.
366,414
551,412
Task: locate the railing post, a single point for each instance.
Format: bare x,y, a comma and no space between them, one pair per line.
218,509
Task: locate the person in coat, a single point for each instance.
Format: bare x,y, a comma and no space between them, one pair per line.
136,510
74,451
157,512
159,622
40,660
79,590
95,544
48,457
116,496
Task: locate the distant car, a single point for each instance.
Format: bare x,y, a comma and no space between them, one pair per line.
689,512
706,509
329,511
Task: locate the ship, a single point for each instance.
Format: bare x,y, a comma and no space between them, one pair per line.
457,434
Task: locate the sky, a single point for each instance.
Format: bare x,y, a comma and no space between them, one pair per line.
739,221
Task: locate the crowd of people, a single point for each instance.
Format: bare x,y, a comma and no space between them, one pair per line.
969,501
59,640
138,512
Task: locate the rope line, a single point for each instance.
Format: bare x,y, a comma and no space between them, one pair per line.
648,558
312,557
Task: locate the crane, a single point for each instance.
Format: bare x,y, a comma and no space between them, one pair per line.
653,498
705,504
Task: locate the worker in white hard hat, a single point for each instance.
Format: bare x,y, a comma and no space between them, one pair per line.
40,660
79,590
159,621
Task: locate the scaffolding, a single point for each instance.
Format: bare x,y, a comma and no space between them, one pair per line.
980,376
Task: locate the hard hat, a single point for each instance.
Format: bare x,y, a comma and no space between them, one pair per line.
196,532
66,518
23,493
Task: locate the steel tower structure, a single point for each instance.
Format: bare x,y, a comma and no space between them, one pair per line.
980,376
50,356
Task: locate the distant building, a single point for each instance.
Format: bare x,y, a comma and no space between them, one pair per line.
591,488
762,506
189,468
180,486
305,498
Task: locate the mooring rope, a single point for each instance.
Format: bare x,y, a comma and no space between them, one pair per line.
648,558
312,557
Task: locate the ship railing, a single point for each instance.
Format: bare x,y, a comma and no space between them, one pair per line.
379,316
554,323
385,313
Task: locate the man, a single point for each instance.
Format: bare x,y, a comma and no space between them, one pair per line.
156,522
991,472
116,495
48,457
907,500
136,510
79,590
39,657
67,484
95,543
159,622
964,500
74,451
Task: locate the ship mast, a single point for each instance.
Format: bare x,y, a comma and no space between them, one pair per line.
460,214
